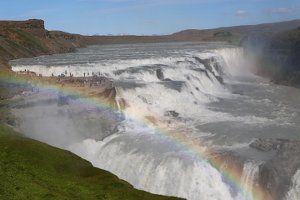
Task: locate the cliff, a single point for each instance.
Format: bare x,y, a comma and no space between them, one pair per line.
278,56
30,38
283,52
35,26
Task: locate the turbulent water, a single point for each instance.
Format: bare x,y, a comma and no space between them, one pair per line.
205,91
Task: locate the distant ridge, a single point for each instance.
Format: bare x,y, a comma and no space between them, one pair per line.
235,33
275,26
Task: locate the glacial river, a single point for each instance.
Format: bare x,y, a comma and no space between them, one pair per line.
183,101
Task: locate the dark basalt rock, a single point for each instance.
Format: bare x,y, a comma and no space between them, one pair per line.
220,79
262,145
268,144
160,74
209,64
171,113
276,174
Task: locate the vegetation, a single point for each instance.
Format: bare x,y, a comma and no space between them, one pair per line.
32,42
33,170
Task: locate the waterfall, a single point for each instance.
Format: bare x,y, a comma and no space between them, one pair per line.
249,177
178,96
294,192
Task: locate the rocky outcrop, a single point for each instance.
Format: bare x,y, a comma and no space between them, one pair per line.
275,175
26,25
97,87
30,38
160,74
171,113
210,64
32,25
267,145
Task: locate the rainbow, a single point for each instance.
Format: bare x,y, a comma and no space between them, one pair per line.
231,172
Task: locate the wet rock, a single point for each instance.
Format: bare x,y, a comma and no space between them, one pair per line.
268,144
171,113
220,79
275,175
160,74
262,145
209,64
146,99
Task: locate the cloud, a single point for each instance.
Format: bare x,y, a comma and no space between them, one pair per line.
241,13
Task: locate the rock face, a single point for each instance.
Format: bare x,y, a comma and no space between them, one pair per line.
30,25
277,53
267,144
284,52
97,87
30,38
275,175
34,26
209,64
160,74
171,113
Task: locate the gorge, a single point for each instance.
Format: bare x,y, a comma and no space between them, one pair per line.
188,119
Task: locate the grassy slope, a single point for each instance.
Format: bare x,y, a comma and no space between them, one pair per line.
33,170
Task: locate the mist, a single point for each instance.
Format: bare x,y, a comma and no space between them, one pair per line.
63,125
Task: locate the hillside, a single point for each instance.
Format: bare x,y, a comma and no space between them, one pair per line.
33,170
30,38
236,34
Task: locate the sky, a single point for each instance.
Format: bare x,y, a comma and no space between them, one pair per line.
147,17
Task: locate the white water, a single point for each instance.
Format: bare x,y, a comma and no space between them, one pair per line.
168,173
294,192
220,115
250,176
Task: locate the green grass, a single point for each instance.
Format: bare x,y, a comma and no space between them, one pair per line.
4,93
5,115
32,43
33,170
